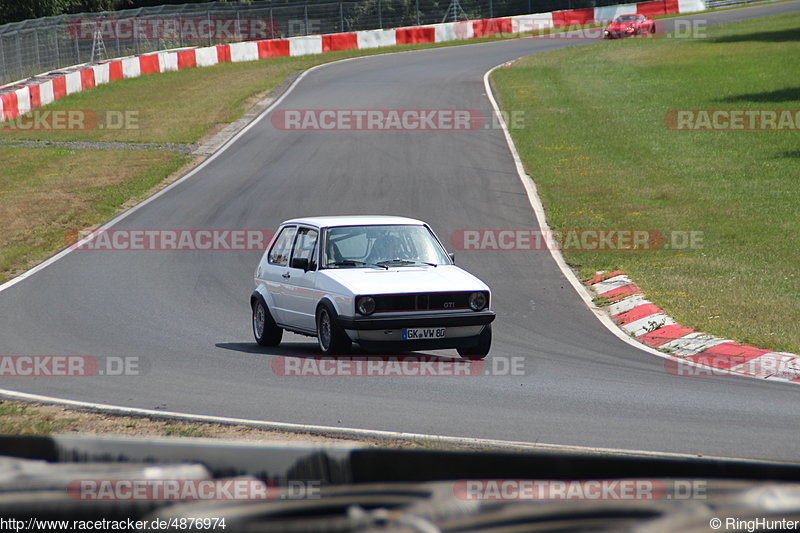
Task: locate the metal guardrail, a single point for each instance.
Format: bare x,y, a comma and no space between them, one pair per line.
41,45
716,4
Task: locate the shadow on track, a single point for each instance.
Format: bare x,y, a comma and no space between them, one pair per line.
789,94
307,349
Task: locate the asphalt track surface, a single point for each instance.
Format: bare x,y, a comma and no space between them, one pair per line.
186,314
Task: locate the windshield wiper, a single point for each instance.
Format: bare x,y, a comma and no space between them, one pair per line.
353,262
406,262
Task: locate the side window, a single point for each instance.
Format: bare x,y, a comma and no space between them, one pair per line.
279,253
305,245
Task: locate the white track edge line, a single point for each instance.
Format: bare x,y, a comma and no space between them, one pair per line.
376,434
352,432
28,273
582,290
10,283
118,218
538,209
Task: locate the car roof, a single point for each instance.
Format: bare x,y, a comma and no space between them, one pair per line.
354,220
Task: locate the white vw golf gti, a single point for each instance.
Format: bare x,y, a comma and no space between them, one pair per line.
384,282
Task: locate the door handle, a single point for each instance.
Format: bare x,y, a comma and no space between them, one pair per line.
286,275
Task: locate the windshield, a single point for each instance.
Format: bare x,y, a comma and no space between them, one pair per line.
627,18
394,245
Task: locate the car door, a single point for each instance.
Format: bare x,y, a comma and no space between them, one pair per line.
301,295
272,271
642,26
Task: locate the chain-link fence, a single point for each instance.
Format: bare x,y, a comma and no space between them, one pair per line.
34,46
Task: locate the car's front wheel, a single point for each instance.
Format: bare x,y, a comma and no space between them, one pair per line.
332,339
265,330
481,349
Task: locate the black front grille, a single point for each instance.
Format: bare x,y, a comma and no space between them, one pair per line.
424,301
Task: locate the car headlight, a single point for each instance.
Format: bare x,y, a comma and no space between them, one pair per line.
477,301
366,305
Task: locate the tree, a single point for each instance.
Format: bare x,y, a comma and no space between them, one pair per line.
19,10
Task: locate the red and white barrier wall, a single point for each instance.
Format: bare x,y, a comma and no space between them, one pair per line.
18,99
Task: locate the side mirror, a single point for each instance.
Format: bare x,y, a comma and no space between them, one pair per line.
452,257
300,262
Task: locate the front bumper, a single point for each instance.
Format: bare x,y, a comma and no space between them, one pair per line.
618,34
472,318
411,346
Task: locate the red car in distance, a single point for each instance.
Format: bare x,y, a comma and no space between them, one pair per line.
627,25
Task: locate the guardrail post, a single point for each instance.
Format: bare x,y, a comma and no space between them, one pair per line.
3,56
55,40
19,55
208,18
77,51
36,46
272,26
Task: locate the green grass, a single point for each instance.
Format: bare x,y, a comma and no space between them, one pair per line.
184,431
47,194
17,418
596,144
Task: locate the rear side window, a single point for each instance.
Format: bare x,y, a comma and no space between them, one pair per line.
279,253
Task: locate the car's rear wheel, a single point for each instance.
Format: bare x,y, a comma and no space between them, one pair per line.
332,339
481,349
265,330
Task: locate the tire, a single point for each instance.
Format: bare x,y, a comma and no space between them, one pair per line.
265,330
480,350
331,338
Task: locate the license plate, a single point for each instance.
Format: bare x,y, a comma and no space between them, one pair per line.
412,334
